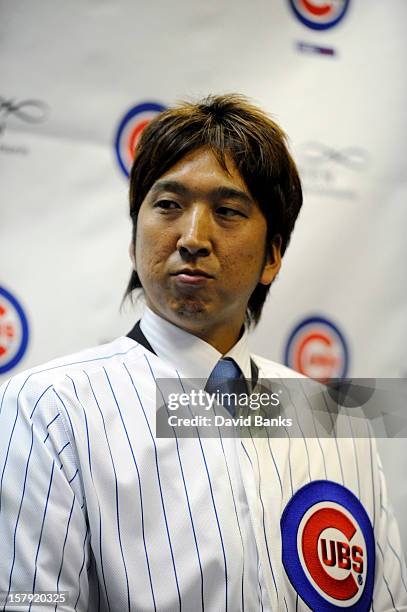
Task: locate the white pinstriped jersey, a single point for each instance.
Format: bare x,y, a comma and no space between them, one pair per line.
93,504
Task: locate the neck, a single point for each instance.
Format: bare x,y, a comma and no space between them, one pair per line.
221,339
222,336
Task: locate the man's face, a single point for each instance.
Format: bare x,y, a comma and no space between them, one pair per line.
201,247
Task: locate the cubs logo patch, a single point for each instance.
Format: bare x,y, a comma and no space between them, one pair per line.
328,548
319,14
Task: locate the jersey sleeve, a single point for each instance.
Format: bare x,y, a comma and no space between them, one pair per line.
43,528
390,588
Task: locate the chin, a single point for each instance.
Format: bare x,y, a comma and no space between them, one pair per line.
191,308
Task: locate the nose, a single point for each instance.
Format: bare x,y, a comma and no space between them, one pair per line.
194,239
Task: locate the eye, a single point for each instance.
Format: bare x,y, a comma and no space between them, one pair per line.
167,205
225,211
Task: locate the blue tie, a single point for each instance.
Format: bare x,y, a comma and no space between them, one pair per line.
223,380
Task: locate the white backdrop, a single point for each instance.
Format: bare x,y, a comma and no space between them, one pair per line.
71,71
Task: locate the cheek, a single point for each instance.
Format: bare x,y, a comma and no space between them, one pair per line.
152,248
243,270
244,258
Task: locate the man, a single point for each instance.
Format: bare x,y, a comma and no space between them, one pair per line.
94,505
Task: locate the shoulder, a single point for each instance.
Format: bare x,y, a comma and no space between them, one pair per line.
35,381
273,369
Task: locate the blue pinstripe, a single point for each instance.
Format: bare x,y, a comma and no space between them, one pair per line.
64,544
289,460
258,561
315,428
117,499
187,499
336,439
101,559
39,399
4,394
263,518
385,581
354,450
160,488
258,579
299,425
99,596
235,507
216,515
19,510
82,566
140,493
69,481
372,475
42,528
100,515
66,412
395,553
8,451
50,423
274,462
63,448
86,421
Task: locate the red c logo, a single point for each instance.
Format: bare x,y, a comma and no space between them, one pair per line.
338,589
134,136
318,11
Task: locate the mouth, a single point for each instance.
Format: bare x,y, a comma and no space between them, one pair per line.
190,276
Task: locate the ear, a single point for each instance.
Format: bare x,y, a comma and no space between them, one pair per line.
132,255
273,262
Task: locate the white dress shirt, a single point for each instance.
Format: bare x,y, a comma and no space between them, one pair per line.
191,356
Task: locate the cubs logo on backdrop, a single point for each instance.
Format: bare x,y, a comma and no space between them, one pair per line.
13,331
129,130
328,547
319,14
317,348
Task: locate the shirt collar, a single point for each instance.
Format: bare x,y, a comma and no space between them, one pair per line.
190,355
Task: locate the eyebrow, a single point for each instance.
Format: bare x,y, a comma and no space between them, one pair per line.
218,193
